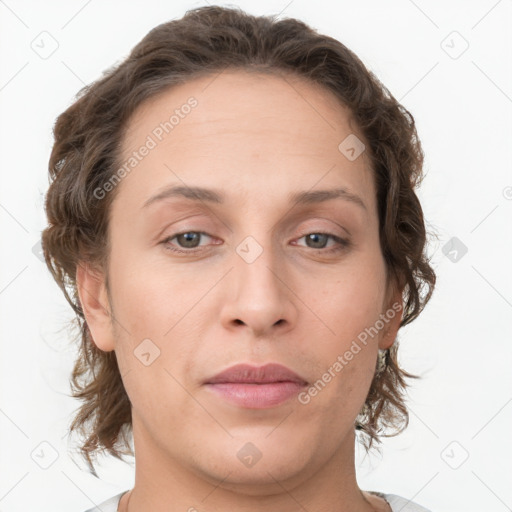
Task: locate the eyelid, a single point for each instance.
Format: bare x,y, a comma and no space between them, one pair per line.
167,239
341,243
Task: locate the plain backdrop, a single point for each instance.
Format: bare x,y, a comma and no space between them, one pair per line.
450,65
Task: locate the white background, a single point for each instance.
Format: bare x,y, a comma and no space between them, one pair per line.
461,344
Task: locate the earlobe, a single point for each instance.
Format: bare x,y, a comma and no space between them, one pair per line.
92,292
393,314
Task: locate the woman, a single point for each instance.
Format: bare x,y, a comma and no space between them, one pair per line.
232,216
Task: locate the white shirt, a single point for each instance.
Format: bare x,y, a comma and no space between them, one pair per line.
397,503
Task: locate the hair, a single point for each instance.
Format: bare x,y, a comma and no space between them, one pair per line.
86,153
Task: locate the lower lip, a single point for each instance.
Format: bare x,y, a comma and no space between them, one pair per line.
257,396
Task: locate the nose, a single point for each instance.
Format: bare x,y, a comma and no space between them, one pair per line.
259,298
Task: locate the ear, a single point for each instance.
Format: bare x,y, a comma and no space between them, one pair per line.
92,292
392,316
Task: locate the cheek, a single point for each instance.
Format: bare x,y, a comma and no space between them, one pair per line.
150,304
352,302
349,306
147,300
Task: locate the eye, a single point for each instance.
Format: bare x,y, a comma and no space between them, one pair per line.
188,240
318,241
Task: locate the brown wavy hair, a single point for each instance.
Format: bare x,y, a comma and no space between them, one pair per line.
86,153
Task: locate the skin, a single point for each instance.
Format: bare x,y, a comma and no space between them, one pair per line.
257,138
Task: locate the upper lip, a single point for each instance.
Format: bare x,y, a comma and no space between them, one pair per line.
246,373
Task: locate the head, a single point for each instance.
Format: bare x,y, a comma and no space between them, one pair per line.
171,288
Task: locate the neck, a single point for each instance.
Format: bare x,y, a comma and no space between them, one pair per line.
166,483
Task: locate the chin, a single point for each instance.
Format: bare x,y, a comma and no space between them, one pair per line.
252,467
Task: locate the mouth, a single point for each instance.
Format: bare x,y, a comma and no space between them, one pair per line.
253,387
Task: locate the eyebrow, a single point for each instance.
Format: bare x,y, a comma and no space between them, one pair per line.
216,196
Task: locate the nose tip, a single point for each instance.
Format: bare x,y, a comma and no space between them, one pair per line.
258,299
237,321
259,321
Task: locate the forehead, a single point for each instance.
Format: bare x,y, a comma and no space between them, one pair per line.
250,100
240,128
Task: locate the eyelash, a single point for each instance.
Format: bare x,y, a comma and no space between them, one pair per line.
342,244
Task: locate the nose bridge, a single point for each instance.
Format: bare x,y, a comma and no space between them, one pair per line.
256,253
258,295
255,263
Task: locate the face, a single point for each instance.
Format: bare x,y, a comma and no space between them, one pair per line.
246,272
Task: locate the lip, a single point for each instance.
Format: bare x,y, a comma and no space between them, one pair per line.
256,387
249,374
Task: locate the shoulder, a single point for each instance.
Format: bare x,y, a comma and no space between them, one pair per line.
109,505
398,503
